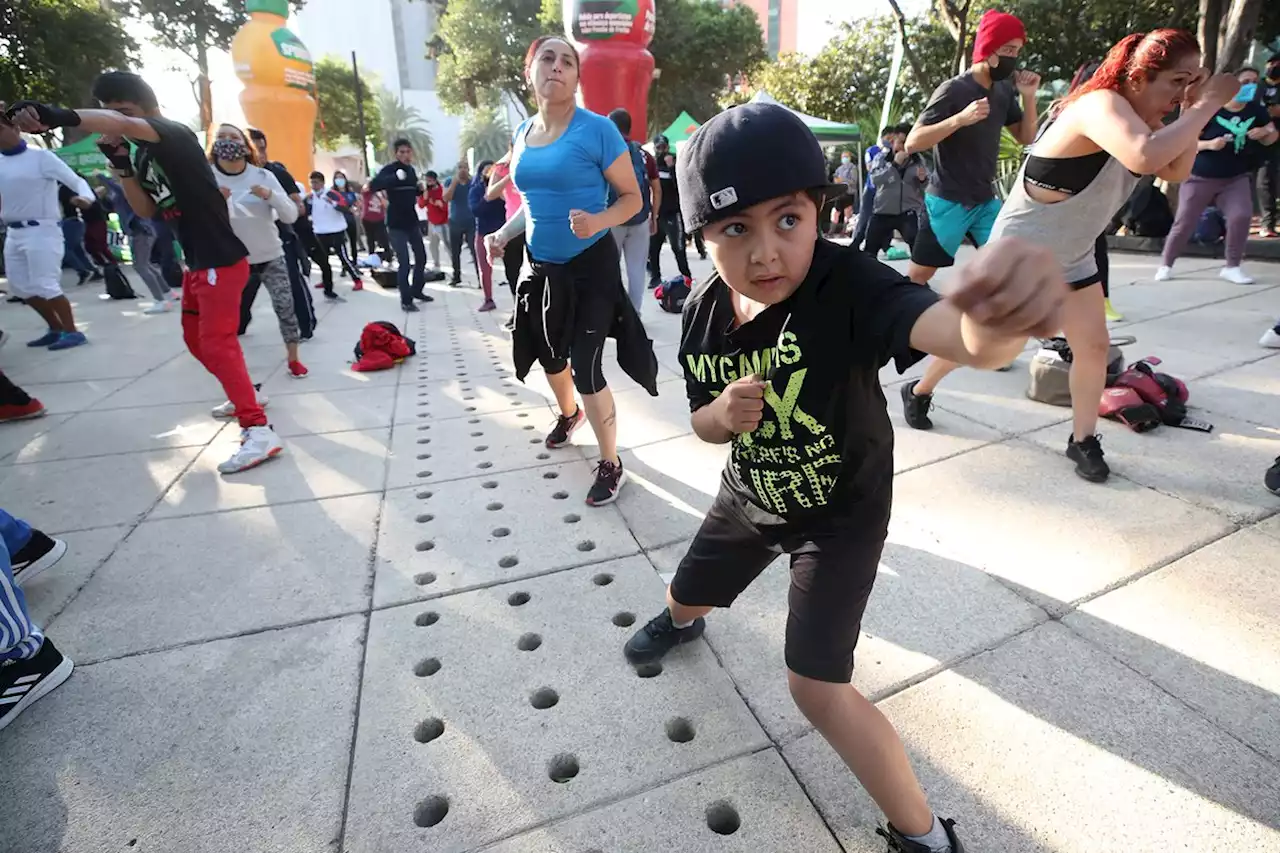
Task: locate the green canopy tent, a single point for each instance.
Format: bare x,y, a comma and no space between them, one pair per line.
681,129
84,157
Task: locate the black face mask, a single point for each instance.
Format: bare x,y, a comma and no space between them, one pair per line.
1273,73
1005,66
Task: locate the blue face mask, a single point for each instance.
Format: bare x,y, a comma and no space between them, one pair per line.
1246,93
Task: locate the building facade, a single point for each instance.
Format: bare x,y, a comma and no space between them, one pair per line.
778,21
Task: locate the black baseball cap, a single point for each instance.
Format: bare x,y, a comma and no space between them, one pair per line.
661,138
746,155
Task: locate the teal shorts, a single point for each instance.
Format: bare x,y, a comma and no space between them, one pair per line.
946,224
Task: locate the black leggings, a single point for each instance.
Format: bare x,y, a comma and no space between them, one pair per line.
10,394
512,261
1104,265
580,302
337,244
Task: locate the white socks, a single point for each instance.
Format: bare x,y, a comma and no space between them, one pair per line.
935,839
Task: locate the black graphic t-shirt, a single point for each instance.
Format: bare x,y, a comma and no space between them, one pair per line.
825,443
669,204
175,172
1241,154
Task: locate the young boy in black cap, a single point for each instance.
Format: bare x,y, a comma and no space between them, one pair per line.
781,351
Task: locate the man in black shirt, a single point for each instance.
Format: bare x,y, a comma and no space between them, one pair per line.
400,182
781,350
168,176
1269,174
670,228
290,238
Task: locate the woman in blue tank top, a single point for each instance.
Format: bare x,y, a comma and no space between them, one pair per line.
565,159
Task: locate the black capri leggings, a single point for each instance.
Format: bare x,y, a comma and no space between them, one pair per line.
580,302
1104,264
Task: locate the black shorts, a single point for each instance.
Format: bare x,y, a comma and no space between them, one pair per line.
579,305
833,568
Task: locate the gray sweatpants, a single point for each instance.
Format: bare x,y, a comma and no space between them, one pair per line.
140,244
274,276
633,246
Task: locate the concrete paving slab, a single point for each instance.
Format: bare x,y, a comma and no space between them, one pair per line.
904,634
1271,526
118,431
1048,745
49,593
998,400
258,568
60,397
245,742
1147,299
482,445
99,360
75,494
1221,470
1196,631
333,411
311,466
915,448
182,379
670,487
643,419
27,436
1249,393
445,536
755,796
498,753
332,375
463,397
1202,342
1035,508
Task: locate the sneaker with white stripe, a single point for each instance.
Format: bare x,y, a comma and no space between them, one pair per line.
23,682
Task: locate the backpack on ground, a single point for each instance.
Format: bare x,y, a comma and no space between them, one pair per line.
118,286
382,346
1211,229
1051,369
672,293
642,177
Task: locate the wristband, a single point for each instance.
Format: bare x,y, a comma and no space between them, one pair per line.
49,115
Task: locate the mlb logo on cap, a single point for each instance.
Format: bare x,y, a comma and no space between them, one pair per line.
724,198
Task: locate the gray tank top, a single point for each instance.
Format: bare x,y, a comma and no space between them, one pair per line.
1069,228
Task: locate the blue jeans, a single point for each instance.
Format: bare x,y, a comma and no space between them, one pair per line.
19,637
865,209
76,257
401,240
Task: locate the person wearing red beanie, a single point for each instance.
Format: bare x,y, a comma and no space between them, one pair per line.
963,121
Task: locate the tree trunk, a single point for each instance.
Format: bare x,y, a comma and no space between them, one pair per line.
916,70
955,17
202,81
1240,24
1210,21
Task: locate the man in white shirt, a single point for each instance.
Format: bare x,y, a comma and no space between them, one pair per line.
29,179
330,224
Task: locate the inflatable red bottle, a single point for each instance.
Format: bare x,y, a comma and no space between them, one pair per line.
617,69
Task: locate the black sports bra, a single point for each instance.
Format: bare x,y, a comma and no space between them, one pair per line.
1068,175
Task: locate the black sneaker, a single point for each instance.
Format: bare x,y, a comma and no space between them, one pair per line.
423,297
610,478
566,426
1272,479
1087,455
510,324
22,682
898,843
652,642
36,556
455,282
654,283
410,308
915,407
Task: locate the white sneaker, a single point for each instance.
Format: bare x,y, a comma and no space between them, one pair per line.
228,409
164,306
257,445
1270,339
1235,275
1164,273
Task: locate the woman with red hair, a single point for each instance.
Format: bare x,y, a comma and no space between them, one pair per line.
1099,141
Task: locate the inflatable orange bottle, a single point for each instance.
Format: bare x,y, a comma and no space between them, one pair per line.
617,68
279,82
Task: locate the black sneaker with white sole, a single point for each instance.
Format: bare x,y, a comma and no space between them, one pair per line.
610,479
566,426
915,407
36,556
652,642
899,843
1087,455
23,682
1272,478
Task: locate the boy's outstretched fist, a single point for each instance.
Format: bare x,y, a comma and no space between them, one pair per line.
1012,287
741,405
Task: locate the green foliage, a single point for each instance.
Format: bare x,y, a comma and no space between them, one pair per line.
486,130
337,122
699,47
480,49
400,121
51,50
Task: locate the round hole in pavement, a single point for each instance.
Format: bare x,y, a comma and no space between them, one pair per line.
649,670
471,408
494,507
426,667
424,518
423,414
473,421
490,484
530,426
422,496
477,434
679,730
560,495
500,532
623,619
562,768
544,698
722,818
423,403
516,599
586,545
481,448
515,402
424,456
572,518
424,441
602,579
425,546
550,475
508,562
468,397
424,578
544,455
428,730
528,642
424,473
522,414
423,620
509,393
535,440
424,427
430,811
422,393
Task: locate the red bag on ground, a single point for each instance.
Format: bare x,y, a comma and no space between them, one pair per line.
381,347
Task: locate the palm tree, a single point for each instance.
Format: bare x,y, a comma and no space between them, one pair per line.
401,121
486,130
